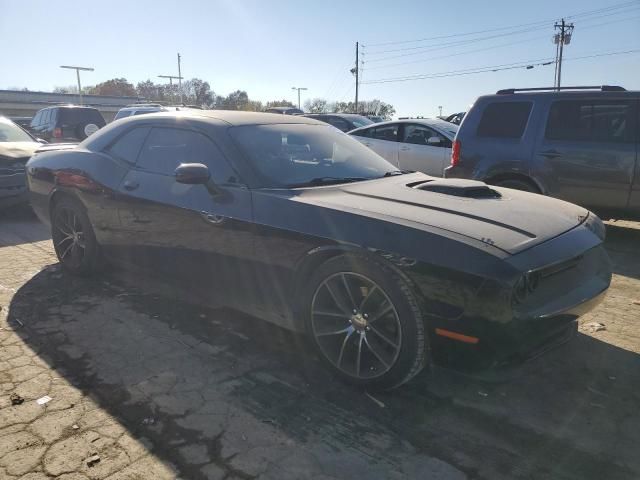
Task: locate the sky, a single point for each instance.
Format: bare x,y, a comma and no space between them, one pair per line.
267,47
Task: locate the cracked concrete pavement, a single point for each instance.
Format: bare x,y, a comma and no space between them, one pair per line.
146,386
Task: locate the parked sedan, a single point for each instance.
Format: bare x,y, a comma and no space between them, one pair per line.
288,219
16,146
342,121
422,145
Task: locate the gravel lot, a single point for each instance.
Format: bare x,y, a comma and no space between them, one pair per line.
144,386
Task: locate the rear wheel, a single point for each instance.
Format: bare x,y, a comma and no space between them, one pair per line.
365,322
73,238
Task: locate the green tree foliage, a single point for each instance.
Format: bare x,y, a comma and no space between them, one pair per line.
238,100
279,103
198,92
116,86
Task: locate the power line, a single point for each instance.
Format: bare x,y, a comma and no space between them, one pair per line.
494,68
422,60
477,32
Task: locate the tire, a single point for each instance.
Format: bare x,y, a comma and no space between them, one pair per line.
516,184
73,238
386,332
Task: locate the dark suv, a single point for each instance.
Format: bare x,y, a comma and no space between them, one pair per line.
68,123
578,144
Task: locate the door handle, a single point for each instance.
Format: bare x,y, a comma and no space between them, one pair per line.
212,217
550,154
404,149
130,185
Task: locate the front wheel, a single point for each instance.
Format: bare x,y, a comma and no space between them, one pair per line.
365,322
73,239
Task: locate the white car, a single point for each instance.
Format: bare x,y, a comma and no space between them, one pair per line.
420,144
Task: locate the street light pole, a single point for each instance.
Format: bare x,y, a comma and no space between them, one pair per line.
180,80
298,89
440,108
77,69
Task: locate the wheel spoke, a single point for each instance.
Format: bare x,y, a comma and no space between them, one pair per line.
362,336
336,301
380,312
365,299
383,336
346,287
334,332
64,254
378,356
344,344
325,313
68,237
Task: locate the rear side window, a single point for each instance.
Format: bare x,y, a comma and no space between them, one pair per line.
365,132
128,146
591,120
388,132
504,119
36,120
122,114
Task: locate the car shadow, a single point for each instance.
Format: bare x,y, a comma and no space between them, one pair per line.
183,375
623,245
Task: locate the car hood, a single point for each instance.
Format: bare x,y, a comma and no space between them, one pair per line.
17,150
507,219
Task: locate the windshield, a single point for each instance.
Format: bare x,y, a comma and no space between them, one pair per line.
289,155
10,132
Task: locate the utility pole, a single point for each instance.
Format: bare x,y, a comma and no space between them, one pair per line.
77,69
357,73
561,39
298,89
440,109
180,80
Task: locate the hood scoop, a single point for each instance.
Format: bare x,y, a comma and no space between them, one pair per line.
458,188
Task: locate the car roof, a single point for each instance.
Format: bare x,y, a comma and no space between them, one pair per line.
430,122
523,95
232,117
345,115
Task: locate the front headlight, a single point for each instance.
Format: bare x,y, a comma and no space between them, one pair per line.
594,224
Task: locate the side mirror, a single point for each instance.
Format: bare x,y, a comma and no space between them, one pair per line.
192,173
40,140
434,141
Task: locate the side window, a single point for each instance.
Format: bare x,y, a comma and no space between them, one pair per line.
340,123
45,117
166,148
386,132
35,121
53,116
504,119
128,146
419,135
590,120
365,132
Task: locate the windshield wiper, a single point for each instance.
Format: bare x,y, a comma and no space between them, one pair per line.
318,181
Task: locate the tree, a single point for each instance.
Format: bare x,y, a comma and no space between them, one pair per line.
317,105
279,103
198,92
365,107
238,100
150,91
116,86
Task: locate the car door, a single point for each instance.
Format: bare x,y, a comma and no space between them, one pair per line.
198,237
382,139
423,149
588,151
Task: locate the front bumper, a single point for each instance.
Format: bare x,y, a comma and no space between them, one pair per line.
13,189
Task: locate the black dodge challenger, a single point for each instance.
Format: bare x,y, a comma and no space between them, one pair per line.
288,219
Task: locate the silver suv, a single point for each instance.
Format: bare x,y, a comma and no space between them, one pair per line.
578,144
